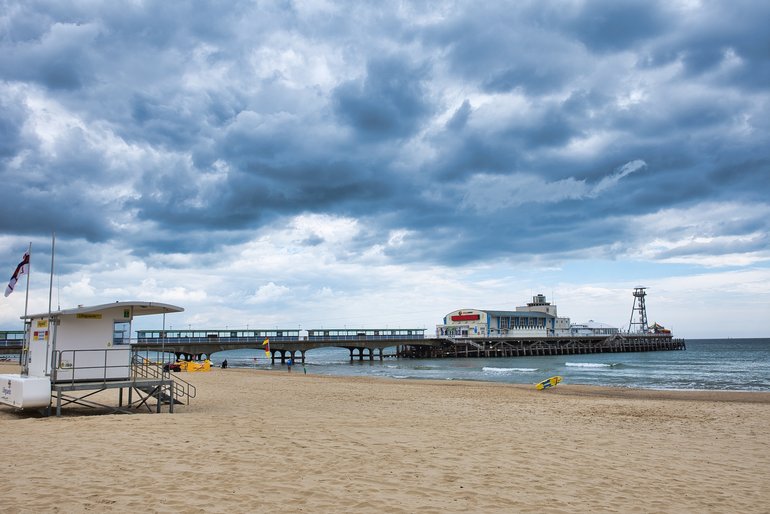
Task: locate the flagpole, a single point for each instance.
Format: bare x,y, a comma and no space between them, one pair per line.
25,349
50,287
51,329
26,296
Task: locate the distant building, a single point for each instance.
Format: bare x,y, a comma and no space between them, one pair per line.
538,318
539,304
592,328
479,323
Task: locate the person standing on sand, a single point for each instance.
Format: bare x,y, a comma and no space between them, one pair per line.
289,363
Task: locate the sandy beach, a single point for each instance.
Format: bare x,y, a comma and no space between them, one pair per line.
271,441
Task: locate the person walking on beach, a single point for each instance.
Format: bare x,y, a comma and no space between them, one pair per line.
289,363
224,364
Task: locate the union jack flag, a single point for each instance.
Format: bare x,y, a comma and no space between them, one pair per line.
21,269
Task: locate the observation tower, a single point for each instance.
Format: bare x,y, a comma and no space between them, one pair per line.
638,322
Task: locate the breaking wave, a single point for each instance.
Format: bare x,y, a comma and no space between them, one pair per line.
488,369
589,365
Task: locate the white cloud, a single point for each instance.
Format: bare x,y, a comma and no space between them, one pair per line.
269,292
489,193
707,234
611,181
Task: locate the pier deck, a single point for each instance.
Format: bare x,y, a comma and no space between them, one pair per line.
10,349
432,347
527,347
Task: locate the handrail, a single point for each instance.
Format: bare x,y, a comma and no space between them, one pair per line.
61,364
67,361
178,387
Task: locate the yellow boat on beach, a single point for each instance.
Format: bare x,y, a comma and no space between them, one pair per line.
190,366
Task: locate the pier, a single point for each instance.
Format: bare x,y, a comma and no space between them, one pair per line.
11,349
427,348
535,346
361,349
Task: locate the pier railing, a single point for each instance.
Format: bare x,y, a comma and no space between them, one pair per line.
527,347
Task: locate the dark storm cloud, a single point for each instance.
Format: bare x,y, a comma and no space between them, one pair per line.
716,31
59,58
63,194
607,26
390,102
175,123
204,118
12,116
502,49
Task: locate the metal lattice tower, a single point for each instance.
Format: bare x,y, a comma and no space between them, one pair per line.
638,323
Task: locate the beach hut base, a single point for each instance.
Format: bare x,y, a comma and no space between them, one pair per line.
133,395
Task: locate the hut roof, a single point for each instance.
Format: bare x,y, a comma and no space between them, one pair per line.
139,309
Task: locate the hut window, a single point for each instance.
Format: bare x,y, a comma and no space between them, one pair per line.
121,333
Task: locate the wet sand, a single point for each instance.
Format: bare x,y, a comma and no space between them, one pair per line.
270,441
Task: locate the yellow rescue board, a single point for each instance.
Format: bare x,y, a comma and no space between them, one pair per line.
549,382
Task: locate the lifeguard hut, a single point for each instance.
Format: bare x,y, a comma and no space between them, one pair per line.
75,353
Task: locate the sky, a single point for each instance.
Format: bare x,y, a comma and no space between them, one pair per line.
332,164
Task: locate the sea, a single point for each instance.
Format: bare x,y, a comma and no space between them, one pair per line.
706,364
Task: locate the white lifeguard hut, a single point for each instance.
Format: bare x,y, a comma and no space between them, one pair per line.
85,349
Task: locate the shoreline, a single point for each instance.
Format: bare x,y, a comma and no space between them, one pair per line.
561,389
716,395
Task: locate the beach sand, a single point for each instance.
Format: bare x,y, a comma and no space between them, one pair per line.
272,441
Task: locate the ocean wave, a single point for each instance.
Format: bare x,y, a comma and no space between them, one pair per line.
589,365
488,369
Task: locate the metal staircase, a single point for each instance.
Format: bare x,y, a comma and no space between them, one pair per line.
173,389
464,341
